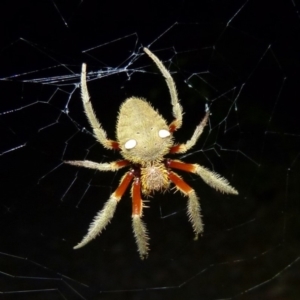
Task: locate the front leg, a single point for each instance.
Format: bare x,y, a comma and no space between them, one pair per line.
194,210
213,179
105,215
139,229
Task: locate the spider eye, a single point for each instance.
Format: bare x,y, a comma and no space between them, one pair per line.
130,144
163,133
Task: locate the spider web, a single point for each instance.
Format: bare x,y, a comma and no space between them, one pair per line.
240,59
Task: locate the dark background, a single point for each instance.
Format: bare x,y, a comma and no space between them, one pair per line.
241,58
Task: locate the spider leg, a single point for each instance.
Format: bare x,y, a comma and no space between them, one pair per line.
182,148
177,109
99,132
112,166
213,179
139,229
105,215
194,210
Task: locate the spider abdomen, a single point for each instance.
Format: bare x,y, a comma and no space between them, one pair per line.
140,124
154,177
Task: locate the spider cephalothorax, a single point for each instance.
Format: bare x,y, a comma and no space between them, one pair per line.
154,177
144,138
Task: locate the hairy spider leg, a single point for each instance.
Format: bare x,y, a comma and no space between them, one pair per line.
177,108
182,148
112,166
212,179
99,132
105,215
194,209
139,228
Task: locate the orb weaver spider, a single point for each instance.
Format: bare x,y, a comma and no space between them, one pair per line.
144,138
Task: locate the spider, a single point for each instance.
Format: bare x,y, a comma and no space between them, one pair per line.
144,138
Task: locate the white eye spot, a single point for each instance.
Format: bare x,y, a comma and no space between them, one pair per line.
163,133
130,144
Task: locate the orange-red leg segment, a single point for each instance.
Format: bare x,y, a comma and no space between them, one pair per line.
114,144
193,203
174,149
180,183
122,163
176,164
119,192
172,126
137,204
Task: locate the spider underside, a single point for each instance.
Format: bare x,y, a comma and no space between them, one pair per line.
144,138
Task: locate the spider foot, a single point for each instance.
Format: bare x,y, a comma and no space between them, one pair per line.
141,236
215,180
194,213
100,221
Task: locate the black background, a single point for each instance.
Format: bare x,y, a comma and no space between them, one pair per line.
241,58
